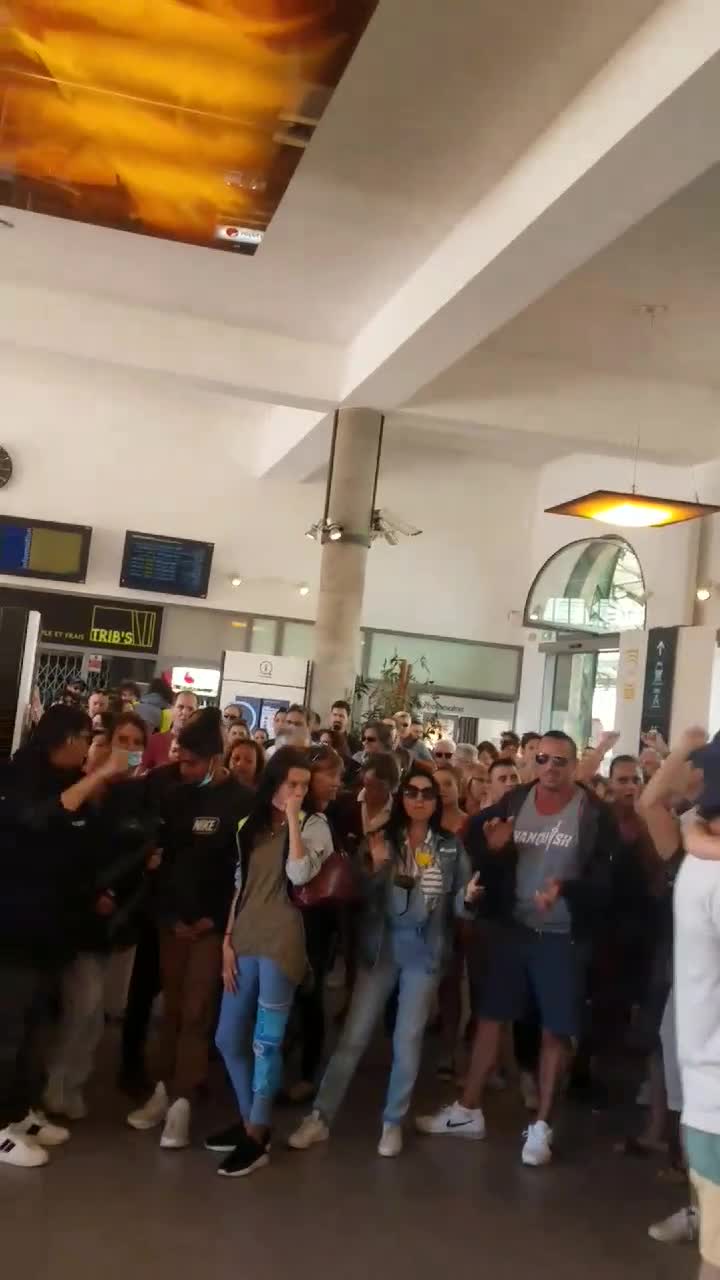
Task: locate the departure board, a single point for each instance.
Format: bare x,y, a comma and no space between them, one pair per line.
172,566
44,549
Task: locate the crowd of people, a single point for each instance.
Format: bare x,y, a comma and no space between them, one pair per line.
235,867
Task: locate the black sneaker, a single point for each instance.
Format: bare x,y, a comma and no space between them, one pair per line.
245,1159
227,1139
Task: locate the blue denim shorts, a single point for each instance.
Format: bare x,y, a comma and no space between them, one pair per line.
527,971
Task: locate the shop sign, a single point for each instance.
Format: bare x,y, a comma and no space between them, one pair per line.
90,622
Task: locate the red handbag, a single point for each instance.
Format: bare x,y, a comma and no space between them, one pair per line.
335,885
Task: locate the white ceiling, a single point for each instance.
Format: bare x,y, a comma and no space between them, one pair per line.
589,363
437,115
438,103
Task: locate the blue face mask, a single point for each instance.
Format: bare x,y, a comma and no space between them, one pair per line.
207,779
134,759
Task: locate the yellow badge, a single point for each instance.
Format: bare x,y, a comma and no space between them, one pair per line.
424,858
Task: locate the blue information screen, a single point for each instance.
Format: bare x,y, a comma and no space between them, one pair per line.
44,549
14,548
176,566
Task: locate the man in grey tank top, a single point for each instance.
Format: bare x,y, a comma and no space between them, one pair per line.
543,854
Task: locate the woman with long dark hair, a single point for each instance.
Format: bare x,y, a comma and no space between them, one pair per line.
321,922
419,875
46,891
194,890
264,957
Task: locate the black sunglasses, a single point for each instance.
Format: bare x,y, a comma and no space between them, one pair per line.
443,755
559,761
419,793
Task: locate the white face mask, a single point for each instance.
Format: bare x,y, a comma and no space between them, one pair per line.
134,759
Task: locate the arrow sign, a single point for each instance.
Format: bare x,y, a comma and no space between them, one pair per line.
659,680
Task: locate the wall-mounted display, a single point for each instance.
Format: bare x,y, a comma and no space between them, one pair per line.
172,566
44,549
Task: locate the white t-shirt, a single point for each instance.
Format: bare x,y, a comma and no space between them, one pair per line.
697,990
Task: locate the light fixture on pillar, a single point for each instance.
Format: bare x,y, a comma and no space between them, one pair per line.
334,531
314,532
704,592
388,526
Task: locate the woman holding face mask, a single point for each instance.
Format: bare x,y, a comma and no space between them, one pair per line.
122,835
418,878
194,888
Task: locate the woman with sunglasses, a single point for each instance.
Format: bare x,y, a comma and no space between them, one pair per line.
418,874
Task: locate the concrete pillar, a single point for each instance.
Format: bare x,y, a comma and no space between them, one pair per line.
353,468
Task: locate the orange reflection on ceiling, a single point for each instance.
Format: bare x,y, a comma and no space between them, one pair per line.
177,118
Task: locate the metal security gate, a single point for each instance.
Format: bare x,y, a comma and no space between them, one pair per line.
56,667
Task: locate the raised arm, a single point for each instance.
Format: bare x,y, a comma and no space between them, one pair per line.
591,761
654,802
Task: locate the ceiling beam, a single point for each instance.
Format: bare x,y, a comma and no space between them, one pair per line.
641,130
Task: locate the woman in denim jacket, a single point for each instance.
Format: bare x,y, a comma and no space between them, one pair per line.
417,876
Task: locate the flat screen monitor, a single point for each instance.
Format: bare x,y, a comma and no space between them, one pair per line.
173,566
44,549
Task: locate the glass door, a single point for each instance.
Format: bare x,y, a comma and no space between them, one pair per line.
580,692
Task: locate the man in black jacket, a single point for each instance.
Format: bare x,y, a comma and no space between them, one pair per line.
543,855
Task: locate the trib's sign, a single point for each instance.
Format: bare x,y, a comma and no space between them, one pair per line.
89,622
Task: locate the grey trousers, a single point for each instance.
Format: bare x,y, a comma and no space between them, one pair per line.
81,1024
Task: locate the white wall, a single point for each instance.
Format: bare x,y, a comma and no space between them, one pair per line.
91,445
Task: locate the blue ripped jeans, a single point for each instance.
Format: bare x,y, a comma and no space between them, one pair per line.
250,1035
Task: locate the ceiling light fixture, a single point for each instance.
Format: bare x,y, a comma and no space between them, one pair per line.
704,593
631,510
634,510
304,589
236,580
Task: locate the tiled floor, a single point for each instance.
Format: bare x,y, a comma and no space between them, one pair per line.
112,1206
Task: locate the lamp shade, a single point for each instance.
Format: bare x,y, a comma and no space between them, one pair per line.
631,510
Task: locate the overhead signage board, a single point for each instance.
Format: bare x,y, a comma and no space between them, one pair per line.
173,566
90,622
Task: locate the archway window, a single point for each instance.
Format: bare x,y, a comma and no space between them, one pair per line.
595,585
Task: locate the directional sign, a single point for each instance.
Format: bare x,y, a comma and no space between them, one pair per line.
659,680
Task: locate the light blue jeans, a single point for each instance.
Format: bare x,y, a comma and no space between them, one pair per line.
250,1035
416,988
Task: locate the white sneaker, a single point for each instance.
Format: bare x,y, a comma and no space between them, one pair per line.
152,1113
176,1133
682,1227
313,1129
65,1102
455,1121
529,1091
20,1151
537,1149
37,1128
391,1142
